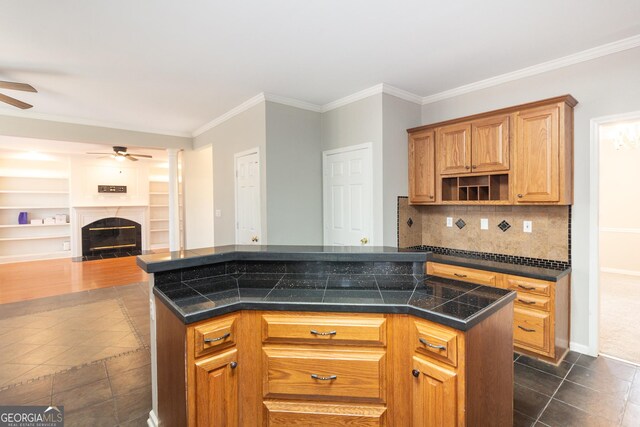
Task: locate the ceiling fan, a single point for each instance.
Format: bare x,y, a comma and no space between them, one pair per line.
16,86
120,153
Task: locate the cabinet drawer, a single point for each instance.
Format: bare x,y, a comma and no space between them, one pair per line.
436,342
528,300
215,335
532,286
531,329
312,373
462,273
287,414
322,329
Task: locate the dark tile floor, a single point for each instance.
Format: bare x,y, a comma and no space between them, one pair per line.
116,391
582,391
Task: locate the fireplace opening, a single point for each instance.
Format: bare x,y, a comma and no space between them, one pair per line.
111,237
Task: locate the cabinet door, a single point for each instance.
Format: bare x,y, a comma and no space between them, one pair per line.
216,390
537,174
422,163
433,395
454,149
490,144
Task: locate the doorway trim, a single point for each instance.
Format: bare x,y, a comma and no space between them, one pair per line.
593,348
236,156
365,146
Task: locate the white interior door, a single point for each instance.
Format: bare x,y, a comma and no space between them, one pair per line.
347,191
247,167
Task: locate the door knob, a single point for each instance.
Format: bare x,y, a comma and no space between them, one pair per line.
415,373
364,240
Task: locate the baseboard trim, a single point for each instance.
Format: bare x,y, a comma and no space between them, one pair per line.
581,348
152,421
608,356
620,271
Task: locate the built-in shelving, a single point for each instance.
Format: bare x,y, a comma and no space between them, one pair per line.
159,206
493,188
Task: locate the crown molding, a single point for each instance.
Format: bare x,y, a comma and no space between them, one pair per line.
554,64
373,90
401,93
87,122
251,102
292,102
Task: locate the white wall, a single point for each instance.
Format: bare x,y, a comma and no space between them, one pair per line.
198,197
358,123
603,86
398,115
87,174
294,175
242,132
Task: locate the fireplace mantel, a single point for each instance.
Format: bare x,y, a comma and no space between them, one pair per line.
84,215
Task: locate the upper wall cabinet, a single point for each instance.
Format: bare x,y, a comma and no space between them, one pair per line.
518,155
422,184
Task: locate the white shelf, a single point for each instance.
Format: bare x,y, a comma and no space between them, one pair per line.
157,220
7,239
32,225
158,206
26,208
163,193
159,229
32,192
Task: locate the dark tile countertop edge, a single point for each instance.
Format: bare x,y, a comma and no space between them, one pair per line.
500,267
443,319
153,263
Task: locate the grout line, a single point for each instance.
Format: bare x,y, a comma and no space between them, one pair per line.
554,393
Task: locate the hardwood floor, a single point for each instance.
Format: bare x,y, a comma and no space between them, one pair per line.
36,279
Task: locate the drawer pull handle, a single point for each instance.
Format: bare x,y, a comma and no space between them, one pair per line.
220,338
526,329
459,275
528,288
524,301
329,378
314,332
428,344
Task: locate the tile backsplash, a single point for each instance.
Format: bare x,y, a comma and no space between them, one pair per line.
549,239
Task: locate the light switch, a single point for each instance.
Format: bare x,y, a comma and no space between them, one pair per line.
484,223
218,213
527,226
449,221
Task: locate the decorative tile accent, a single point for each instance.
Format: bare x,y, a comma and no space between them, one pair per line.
504,225
460,223
510,259
409,222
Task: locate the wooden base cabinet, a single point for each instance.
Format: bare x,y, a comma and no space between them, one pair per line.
279,369
541,309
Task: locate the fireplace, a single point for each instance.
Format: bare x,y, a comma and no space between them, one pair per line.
112,236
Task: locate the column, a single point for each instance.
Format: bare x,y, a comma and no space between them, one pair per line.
174,201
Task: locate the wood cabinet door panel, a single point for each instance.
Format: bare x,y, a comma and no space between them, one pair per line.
454,149
490,144
216,390
434,395
422,163
463,274
324,374
531,329
323,329
311,414
537,173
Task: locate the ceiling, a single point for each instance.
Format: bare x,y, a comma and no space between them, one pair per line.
171,66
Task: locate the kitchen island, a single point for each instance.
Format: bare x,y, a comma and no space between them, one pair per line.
280,335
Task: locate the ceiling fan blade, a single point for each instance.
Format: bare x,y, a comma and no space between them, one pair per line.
17,86
14,102
130,157
141,155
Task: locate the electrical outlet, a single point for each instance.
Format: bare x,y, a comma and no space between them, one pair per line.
218,213
484,223
527,226
449,221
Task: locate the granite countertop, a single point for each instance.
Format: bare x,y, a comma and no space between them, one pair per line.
153,263
449,302
500,267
